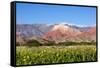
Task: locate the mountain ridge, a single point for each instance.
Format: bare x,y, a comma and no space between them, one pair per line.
57,32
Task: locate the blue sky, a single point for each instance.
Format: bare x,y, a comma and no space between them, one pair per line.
54,14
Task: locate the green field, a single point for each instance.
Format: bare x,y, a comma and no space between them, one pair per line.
54,54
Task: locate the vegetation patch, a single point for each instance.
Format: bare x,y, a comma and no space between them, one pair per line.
54,54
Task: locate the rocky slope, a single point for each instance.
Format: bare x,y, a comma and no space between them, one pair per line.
57,33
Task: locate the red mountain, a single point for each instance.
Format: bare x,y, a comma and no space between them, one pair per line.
61,32
89,35
19,38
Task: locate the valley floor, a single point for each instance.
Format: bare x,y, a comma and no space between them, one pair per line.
55,54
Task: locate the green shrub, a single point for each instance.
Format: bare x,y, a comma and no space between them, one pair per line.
68,43
49,43
33,43
17,44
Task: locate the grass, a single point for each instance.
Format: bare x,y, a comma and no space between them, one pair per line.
54,54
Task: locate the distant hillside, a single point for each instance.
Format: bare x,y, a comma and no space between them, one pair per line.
56,32
62,33
29,30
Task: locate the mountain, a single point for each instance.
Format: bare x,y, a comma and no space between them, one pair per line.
19,38
82,29
89,35
28,30
56,32
61,33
